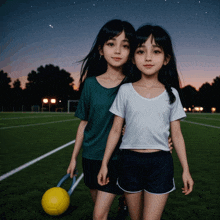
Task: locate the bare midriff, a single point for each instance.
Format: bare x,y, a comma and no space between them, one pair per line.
145,150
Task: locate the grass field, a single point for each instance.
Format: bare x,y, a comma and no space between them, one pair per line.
26,136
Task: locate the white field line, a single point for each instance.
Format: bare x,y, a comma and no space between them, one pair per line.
191,122
45,116
28,125
6,175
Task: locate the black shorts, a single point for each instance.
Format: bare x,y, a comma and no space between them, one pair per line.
91,169
152,172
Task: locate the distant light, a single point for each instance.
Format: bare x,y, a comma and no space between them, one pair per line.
53,101
198,109
185,109
59,100
45,101
189,109
213,109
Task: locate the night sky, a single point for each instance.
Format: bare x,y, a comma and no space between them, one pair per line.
40,32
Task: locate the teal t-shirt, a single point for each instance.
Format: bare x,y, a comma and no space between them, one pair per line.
94,105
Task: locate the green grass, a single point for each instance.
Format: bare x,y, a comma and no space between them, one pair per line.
202,144
21,193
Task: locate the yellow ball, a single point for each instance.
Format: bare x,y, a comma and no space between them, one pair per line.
55,201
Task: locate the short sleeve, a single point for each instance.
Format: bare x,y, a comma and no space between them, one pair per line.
118,106
177,111
82,110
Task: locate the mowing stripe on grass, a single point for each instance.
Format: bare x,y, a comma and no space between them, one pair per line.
214,119
6,175
18,126
212,126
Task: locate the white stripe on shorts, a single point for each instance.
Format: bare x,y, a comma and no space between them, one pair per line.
126,190
174,188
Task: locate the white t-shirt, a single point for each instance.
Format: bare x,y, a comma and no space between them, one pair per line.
147,120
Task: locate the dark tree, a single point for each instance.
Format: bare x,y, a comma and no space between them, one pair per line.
190,96
17,96
5,91
216,93
17,84
49,81
205,97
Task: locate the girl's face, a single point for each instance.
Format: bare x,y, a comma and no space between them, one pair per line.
116,50
149,57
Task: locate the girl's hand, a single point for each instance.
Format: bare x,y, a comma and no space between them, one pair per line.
102,176
72,168
123,130
188,183
170,143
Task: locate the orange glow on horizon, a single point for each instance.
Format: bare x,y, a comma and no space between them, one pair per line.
195,82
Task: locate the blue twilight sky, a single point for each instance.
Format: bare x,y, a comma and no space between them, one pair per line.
40,32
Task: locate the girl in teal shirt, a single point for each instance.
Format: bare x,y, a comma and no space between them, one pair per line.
105,69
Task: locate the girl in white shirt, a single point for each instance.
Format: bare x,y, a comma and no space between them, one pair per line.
150,107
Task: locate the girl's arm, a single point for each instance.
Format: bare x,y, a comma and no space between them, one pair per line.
112,141
77,147
180,148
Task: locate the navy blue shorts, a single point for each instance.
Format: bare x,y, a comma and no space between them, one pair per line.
91,169
152,172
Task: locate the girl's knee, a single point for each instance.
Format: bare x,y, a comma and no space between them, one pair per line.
99,215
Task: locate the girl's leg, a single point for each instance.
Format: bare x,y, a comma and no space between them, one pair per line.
154,205
93,193
102,205
135,204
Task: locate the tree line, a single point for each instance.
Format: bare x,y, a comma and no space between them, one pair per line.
47,82
208,96
52,82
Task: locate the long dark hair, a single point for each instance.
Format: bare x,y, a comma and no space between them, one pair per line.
168,74
93,64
